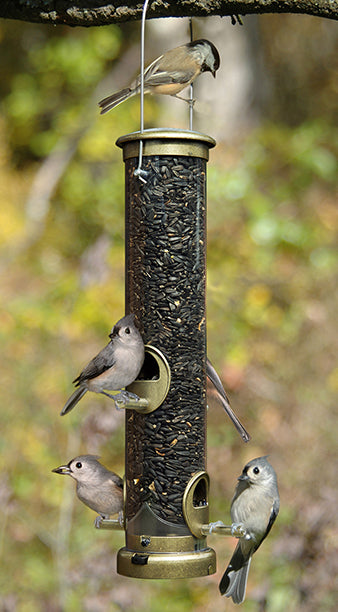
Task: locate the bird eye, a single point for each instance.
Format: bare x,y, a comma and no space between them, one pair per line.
78,465
256,470
127,330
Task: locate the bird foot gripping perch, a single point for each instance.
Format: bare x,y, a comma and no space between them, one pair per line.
236,530
114,367
195,509
91,476
102,522
128,400
254,506
125,355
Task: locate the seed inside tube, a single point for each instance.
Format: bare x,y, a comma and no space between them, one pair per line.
165,256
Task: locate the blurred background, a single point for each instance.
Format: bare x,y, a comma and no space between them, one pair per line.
271,299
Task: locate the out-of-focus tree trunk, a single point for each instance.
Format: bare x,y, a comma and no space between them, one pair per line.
237,97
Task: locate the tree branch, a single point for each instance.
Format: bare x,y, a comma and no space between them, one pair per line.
95,12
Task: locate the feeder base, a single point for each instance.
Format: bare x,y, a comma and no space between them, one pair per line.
166,565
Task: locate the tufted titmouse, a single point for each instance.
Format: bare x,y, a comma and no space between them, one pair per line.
216,381
98,488
255,506
115,367
171,72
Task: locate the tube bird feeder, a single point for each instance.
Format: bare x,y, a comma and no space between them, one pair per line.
165,466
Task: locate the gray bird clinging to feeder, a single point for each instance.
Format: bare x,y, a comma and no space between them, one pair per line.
255,506
115,367
171,72
96,486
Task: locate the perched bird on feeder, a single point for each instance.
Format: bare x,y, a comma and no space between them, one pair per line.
115,367
171,72
98,488
216,381
255,506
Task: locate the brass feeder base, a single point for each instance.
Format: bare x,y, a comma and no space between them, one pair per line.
166,565
159,562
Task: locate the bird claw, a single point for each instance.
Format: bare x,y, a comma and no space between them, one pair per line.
238,530
121,518
132,396
236,19
124,397
98,521
215,524
190,101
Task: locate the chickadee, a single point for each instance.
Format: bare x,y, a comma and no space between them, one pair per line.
216,381
171,72
255,506
115,367
98,488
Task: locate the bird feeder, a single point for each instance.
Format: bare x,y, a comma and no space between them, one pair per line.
167,486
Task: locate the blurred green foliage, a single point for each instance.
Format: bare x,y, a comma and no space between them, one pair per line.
272,263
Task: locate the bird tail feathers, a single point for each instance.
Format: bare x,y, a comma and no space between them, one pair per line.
235,577
216,381
73,400
111,101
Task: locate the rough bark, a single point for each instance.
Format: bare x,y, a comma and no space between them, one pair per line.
95,12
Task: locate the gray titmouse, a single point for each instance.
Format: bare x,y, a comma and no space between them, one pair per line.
255,506
115,367
216,381
171,72
98,488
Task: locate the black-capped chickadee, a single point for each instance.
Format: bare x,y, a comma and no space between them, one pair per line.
115,367
216,381
98,488
255,506
171,72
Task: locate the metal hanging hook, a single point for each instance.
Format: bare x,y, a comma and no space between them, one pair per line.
141,174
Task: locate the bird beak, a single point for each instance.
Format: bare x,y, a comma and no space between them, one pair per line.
63,469
243,477
214,73
114,332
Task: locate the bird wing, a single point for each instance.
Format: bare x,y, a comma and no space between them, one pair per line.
272,518
273,515
175,76
116,480
99,364
156,74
